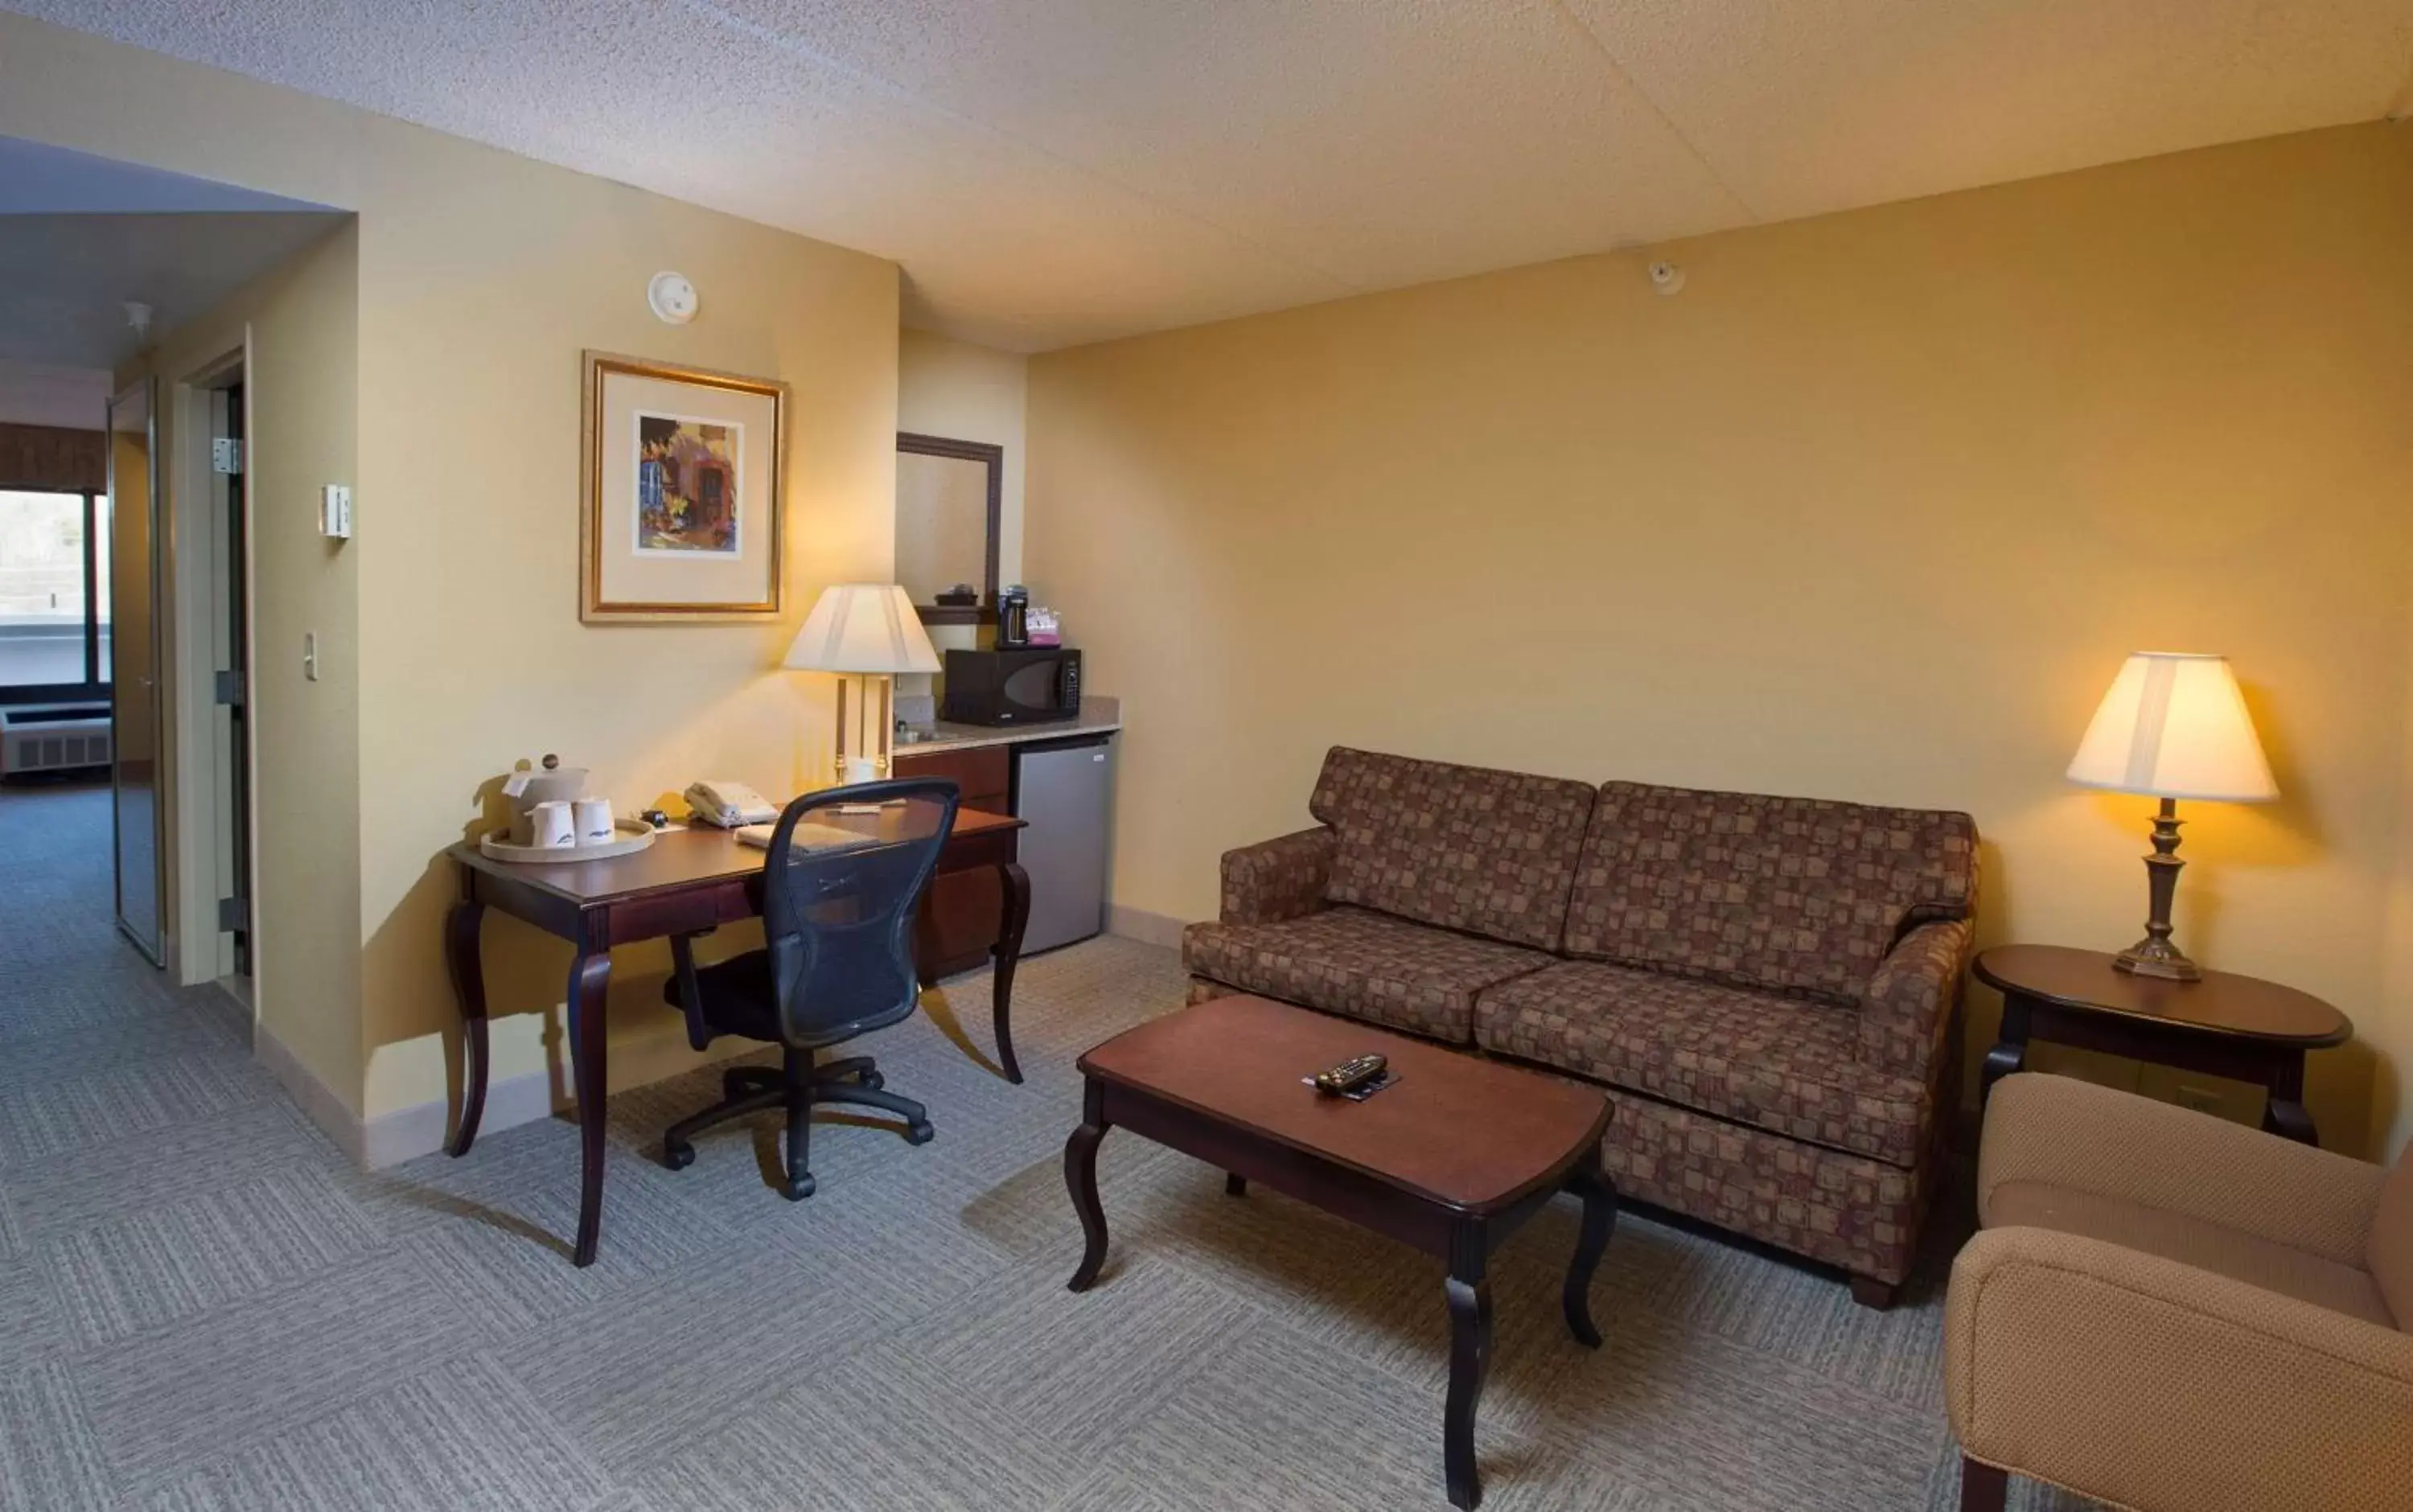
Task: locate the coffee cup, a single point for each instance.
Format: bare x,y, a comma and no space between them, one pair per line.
593,819
552,824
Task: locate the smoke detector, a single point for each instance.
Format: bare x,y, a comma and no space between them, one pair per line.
1667,277
137,314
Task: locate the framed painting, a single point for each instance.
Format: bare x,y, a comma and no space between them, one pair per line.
681,486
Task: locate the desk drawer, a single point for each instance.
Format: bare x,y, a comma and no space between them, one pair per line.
982,773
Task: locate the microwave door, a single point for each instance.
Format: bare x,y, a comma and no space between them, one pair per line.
1034,687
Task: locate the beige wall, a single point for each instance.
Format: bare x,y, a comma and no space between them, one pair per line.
971,393
481,279
483,275
297,328
1871,511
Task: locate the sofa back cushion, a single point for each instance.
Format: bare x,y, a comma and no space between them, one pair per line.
1467,848
1799,895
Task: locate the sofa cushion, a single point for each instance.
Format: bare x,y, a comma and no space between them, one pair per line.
1774,1062
1364,964
2190,1241
1799,894
1462,847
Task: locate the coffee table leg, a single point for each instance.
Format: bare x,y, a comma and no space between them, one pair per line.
1599,1222
1081,1180
1235,1184
1470,1355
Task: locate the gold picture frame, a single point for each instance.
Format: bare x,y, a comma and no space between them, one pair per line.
682,493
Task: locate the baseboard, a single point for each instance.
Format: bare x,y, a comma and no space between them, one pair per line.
318,1101
423,1128
637,1060
1145,928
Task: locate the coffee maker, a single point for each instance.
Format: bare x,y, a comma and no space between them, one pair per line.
1013,617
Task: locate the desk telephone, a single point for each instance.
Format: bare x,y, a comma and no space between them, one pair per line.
730,804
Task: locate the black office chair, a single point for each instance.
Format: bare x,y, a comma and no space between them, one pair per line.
838,898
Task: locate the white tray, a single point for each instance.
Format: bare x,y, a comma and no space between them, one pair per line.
635,835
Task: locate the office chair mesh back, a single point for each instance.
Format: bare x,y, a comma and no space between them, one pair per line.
838,906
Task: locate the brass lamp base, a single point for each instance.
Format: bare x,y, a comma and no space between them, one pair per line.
2149,956
2155,955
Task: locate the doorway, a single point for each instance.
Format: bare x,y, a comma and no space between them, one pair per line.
228,449
212,592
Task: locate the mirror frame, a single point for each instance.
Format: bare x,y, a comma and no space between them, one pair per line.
991,455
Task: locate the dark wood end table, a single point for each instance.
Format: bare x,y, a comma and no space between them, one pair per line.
1452,1160
2225,1025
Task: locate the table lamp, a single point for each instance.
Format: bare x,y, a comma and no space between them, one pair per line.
862,631
2174,726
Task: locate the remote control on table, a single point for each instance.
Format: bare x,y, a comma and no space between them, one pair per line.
1350,1075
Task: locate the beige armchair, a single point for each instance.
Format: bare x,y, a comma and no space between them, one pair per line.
2174,1314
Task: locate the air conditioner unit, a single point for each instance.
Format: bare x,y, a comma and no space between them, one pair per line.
53,737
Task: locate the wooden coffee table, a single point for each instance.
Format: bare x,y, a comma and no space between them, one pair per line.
1452,1158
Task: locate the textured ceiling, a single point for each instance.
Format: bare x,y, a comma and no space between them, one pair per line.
63,279
1050,172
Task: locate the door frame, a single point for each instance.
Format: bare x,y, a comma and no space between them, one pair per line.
203,594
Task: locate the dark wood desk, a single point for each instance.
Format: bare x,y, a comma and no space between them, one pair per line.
2225,1025
686,881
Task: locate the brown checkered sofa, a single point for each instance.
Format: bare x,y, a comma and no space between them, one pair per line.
1769,983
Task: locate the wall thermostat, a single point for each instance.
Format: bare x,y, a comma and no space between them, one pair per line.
335,513
672,298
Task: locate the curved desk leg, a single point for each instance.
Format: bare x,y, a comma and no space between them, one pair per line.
589,974
1008,952
461,933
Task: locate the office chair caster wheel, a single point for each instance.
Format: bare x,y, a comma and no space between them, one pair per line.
874,1080
678,1156
796,1189
919,1134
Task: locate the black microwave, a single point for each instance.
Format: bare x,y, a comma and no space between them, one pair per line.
1031,685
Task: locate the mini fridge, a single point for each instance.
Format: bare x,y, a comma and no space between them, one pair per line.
1064,790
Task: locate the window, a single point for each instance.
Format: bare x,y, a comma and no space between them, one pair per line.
54,594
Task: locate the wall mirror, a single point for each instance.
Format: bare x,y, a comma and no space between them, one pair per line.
949,496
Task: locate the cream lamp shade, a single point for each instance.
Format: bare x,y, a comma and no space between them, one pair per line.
2174,725
862,628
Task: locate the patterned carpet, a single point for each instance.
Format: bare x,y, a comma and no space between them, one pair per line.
204,1308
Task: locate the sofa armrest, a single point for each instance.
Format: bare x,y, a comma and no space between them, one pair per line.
2151,1384
1278,878
1907,1006
2074,1135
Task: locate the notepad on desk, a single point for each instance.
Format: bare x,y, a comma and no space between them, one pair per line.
808,836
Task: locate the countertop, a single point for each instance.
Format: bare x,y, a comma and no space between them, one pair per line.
1099,716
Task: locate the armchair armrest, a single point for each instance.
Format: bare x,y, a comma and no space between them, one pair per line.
2153,1385
1278,878
1907,1006
2087,1138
